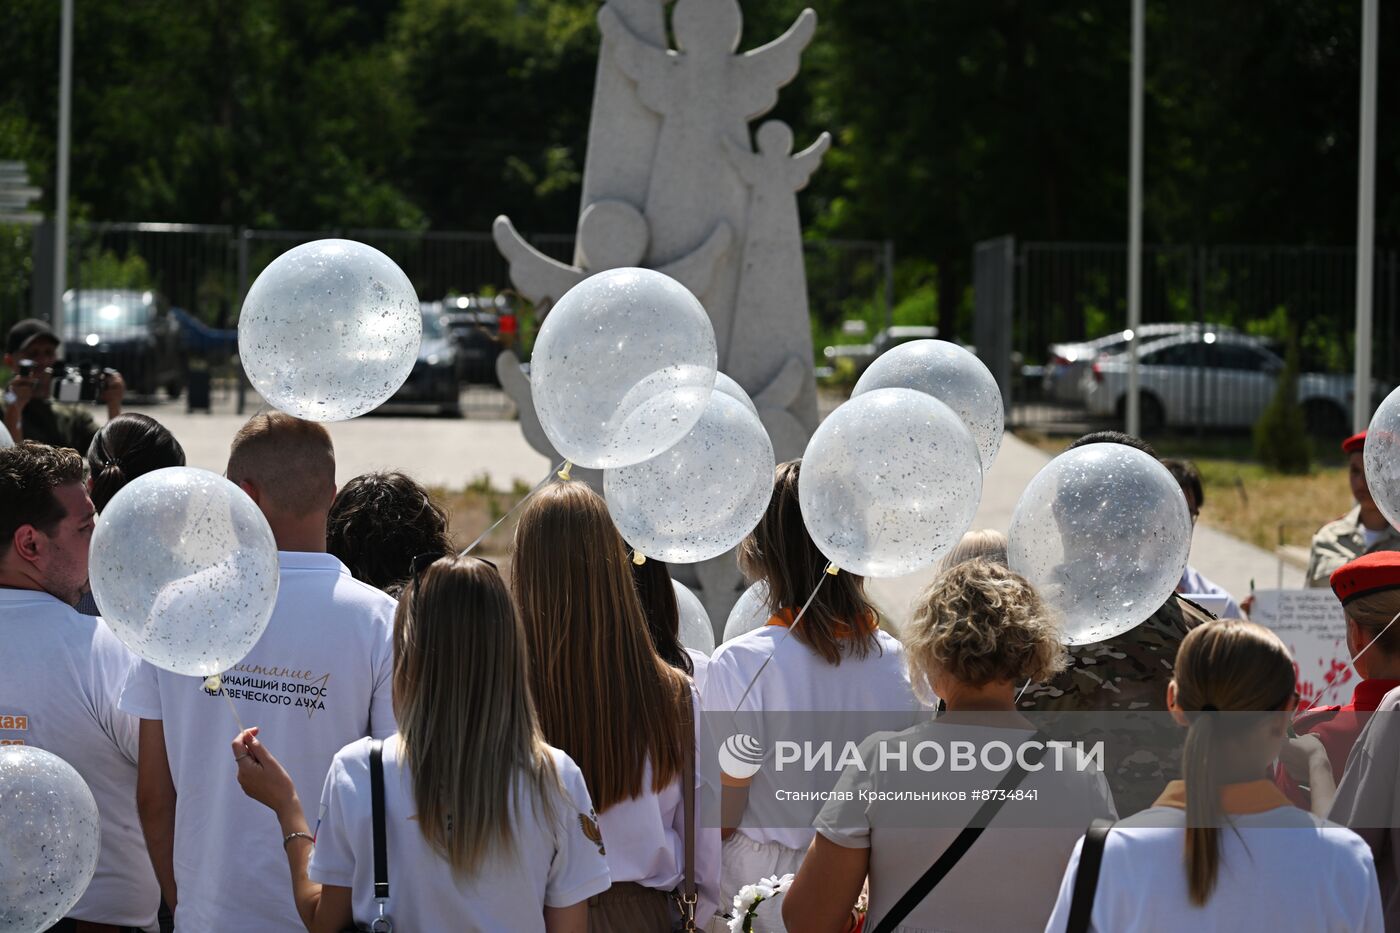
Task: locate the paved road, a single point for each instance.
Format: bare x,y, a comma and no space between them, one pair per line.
451,453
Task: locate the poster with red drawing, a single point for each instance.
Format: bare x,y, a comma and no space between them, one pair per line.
1313,626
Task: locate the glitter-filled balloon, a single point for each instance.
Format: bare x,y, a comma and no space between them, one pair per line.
890,481
1103,534
329,330
729,387
622,368
184,569
951,374
749,613
696,631
1382,457
701,496
49,838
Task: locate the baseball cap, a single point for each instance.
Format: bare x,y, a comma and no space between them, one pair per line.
26,332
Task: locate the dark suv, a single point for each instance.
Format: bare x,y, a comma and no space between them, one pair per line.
481,328
128,330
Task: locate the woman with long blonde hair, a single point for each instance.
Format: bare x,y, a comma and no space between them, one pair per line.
1224,849
606,697
487,826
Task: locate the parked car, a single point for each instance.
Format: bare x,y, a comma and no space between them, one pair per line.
434,379
863,354
481,328
1067,363
1222,380
128,330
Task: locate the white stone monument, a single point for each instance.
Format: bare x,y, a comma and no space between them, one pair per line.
672,181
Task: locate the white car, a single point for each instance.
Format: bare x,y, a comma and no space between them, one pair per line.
1214,379
1063,379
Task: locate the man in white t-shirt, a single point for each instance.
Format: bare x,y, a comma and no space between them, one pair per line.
62,670
317,680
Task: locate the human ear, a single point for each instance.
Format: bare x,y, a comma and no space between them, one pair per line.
1178,714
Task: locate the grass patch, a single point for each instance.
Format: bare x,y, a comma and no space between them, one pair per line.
1246,499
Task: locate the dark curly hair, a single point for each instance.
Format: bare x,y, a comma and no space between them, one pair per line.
128,446
379,523
29,473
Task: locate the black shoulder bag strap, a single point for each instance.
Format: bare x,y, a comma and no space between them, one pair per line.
1086,877
954,853
381,855
688,897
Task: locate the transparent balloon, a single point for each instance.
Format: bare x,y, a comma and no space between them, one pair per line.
749,613
1382,457
890,481
622,368
1103,533
5,439
696,631
330,330
49,838
729,387
951,374
184,569
700,497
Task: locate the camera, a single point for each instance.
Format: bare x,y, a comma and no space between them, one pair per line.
81,382
25,369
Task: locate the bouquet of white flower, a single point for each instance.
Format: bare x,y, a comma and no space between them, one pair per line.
758,908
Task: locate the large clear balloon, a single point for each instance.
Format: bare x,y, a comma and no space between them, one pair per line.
729,387
951,374
1382,457
329,330
890,481
700,497
622,368
184,569
696,631
49,838
749,613
5,439
1103,533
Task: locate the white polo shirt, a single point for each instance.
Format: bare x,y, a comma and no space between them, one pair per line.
60,673
554,863
1280,869
317,680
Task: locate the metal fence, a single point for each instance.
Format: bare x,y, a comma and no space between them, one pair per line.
1219,325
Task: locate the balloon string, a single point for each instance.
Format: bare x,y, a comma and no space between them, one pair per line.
1024,687
563,468
1355,658
831,571
214,683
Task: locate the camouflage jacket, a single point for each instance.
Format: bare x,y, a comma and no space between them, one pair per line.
1126,676
59,424
1341,542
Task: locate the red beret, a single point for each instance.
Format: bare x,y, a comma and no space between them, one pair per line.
1354,444
1368,574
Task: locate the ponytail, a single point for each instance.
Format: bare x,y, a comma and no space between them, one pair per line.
1202,808
128,446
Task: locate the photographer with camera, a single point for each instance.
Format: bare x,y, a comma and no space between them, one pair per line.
31,353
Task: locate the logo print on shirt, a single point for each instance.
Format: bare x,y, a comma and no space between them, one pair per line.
589,823
276,686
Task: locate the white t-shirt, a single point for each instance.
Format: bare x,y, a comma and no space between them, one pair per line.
318,679
554,864
1284,869
700,662
798,680
645,837
61,675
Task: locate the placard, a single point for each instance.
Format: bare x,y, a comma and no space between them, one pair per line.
1313,626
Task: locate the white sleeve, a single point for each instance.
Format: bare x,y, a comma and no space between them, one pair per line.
1355,884
381,711
579,869
1059,917
141,693
333,858
112,665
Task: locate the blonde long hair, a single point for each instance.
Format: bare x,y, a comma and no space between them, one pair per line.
467,725
1226,666
603,694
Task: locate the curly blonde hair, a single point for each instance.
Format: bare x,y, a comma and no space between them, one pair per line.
979,622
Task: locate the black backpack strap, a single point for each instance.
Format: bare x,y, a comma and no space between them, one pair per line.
954,853
1086,877
376,792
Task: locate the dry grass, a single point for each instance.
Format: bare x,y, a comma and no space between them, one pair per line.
1248,500
474,509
